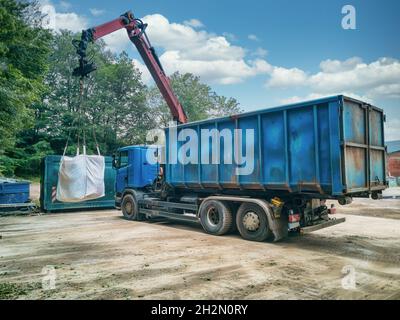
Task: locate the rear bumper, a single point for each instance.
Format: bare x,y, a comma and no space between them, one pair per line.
322,225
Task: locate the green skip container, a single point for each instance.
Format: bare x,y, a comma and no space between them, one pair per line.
48,186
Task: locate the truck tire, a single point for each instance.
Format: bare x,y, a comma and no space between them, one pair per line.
216,217
130,208
252,222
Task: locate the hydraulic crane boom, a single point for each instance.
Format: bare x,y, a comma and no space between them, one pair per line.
137,34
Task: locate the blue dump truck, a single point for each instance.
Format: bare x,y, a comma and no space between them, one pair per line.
264,173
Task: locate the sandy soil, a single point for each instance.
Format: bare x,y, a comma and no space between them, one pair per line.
34,191
386,208
371,208
99,255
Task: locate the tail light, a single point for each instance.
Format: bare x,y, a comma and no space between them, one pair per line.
294,220
332,210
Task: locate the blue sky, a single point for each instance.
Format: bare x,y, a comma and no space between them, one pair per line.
264,53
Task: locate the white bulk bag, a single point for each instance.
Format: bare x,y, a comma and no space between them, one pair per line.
81,178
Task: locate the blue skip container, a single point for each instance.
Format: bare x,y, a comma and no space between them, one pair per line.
14,191
332,146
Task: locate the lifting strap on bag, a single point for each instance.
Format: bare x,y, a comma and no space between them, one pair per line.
95,140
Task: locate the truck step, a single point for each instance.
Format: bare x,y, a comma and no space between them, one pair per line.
165,204
169,215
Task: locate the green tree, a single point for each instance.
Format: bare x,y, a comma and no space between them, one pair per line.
113,105
223,106
117,104
197,99
24,48
61,105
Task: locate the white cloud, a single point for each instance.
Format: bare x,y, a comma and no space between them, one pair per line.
118,41
388,90
220,71
96,12
58,21
253,37
392,131
185,49
295,99
314,96
175,36
210,56
194,23
335,66
282,77
260,52
384,71
380,78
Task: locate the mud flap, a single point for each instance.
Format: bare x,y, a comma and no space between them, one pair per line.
278,226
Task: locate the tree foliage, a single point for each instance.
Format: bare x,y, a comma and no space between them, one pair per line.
41,106
112,110
198,100
113,105
118,102
24,48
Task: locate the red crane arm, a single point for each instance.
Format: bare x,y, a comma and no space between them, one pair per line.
137,34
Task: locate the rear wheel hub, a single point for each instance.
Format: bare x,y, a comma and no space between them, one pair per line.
251,221
128,207
213,216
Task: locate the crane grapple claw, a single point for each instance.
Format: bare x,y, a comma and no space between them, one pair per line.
84,70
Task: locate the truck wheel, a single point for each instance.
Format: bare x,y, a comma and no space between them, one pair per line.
216,217
252,222
129,207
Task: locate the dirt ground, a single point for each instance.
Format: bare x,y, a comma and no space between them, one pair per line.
386,208
34,191
99,255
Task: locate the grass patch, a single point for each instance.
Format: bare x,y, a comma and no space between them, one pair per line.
10,291
32,179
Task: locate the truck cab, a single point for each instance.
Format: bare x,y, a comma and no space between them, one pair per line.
133,170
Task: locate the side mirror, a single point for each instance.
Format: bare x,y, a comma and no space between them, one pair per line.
114,162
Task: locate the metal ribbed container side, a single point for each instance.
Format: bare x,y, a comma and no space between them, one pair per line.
332,146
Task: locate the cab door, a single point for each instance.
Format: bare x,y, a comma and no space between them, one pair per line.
122,167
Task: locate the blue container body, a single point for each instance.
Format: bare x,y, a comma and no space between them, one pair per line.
134,170
12,192
332,146
48,185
